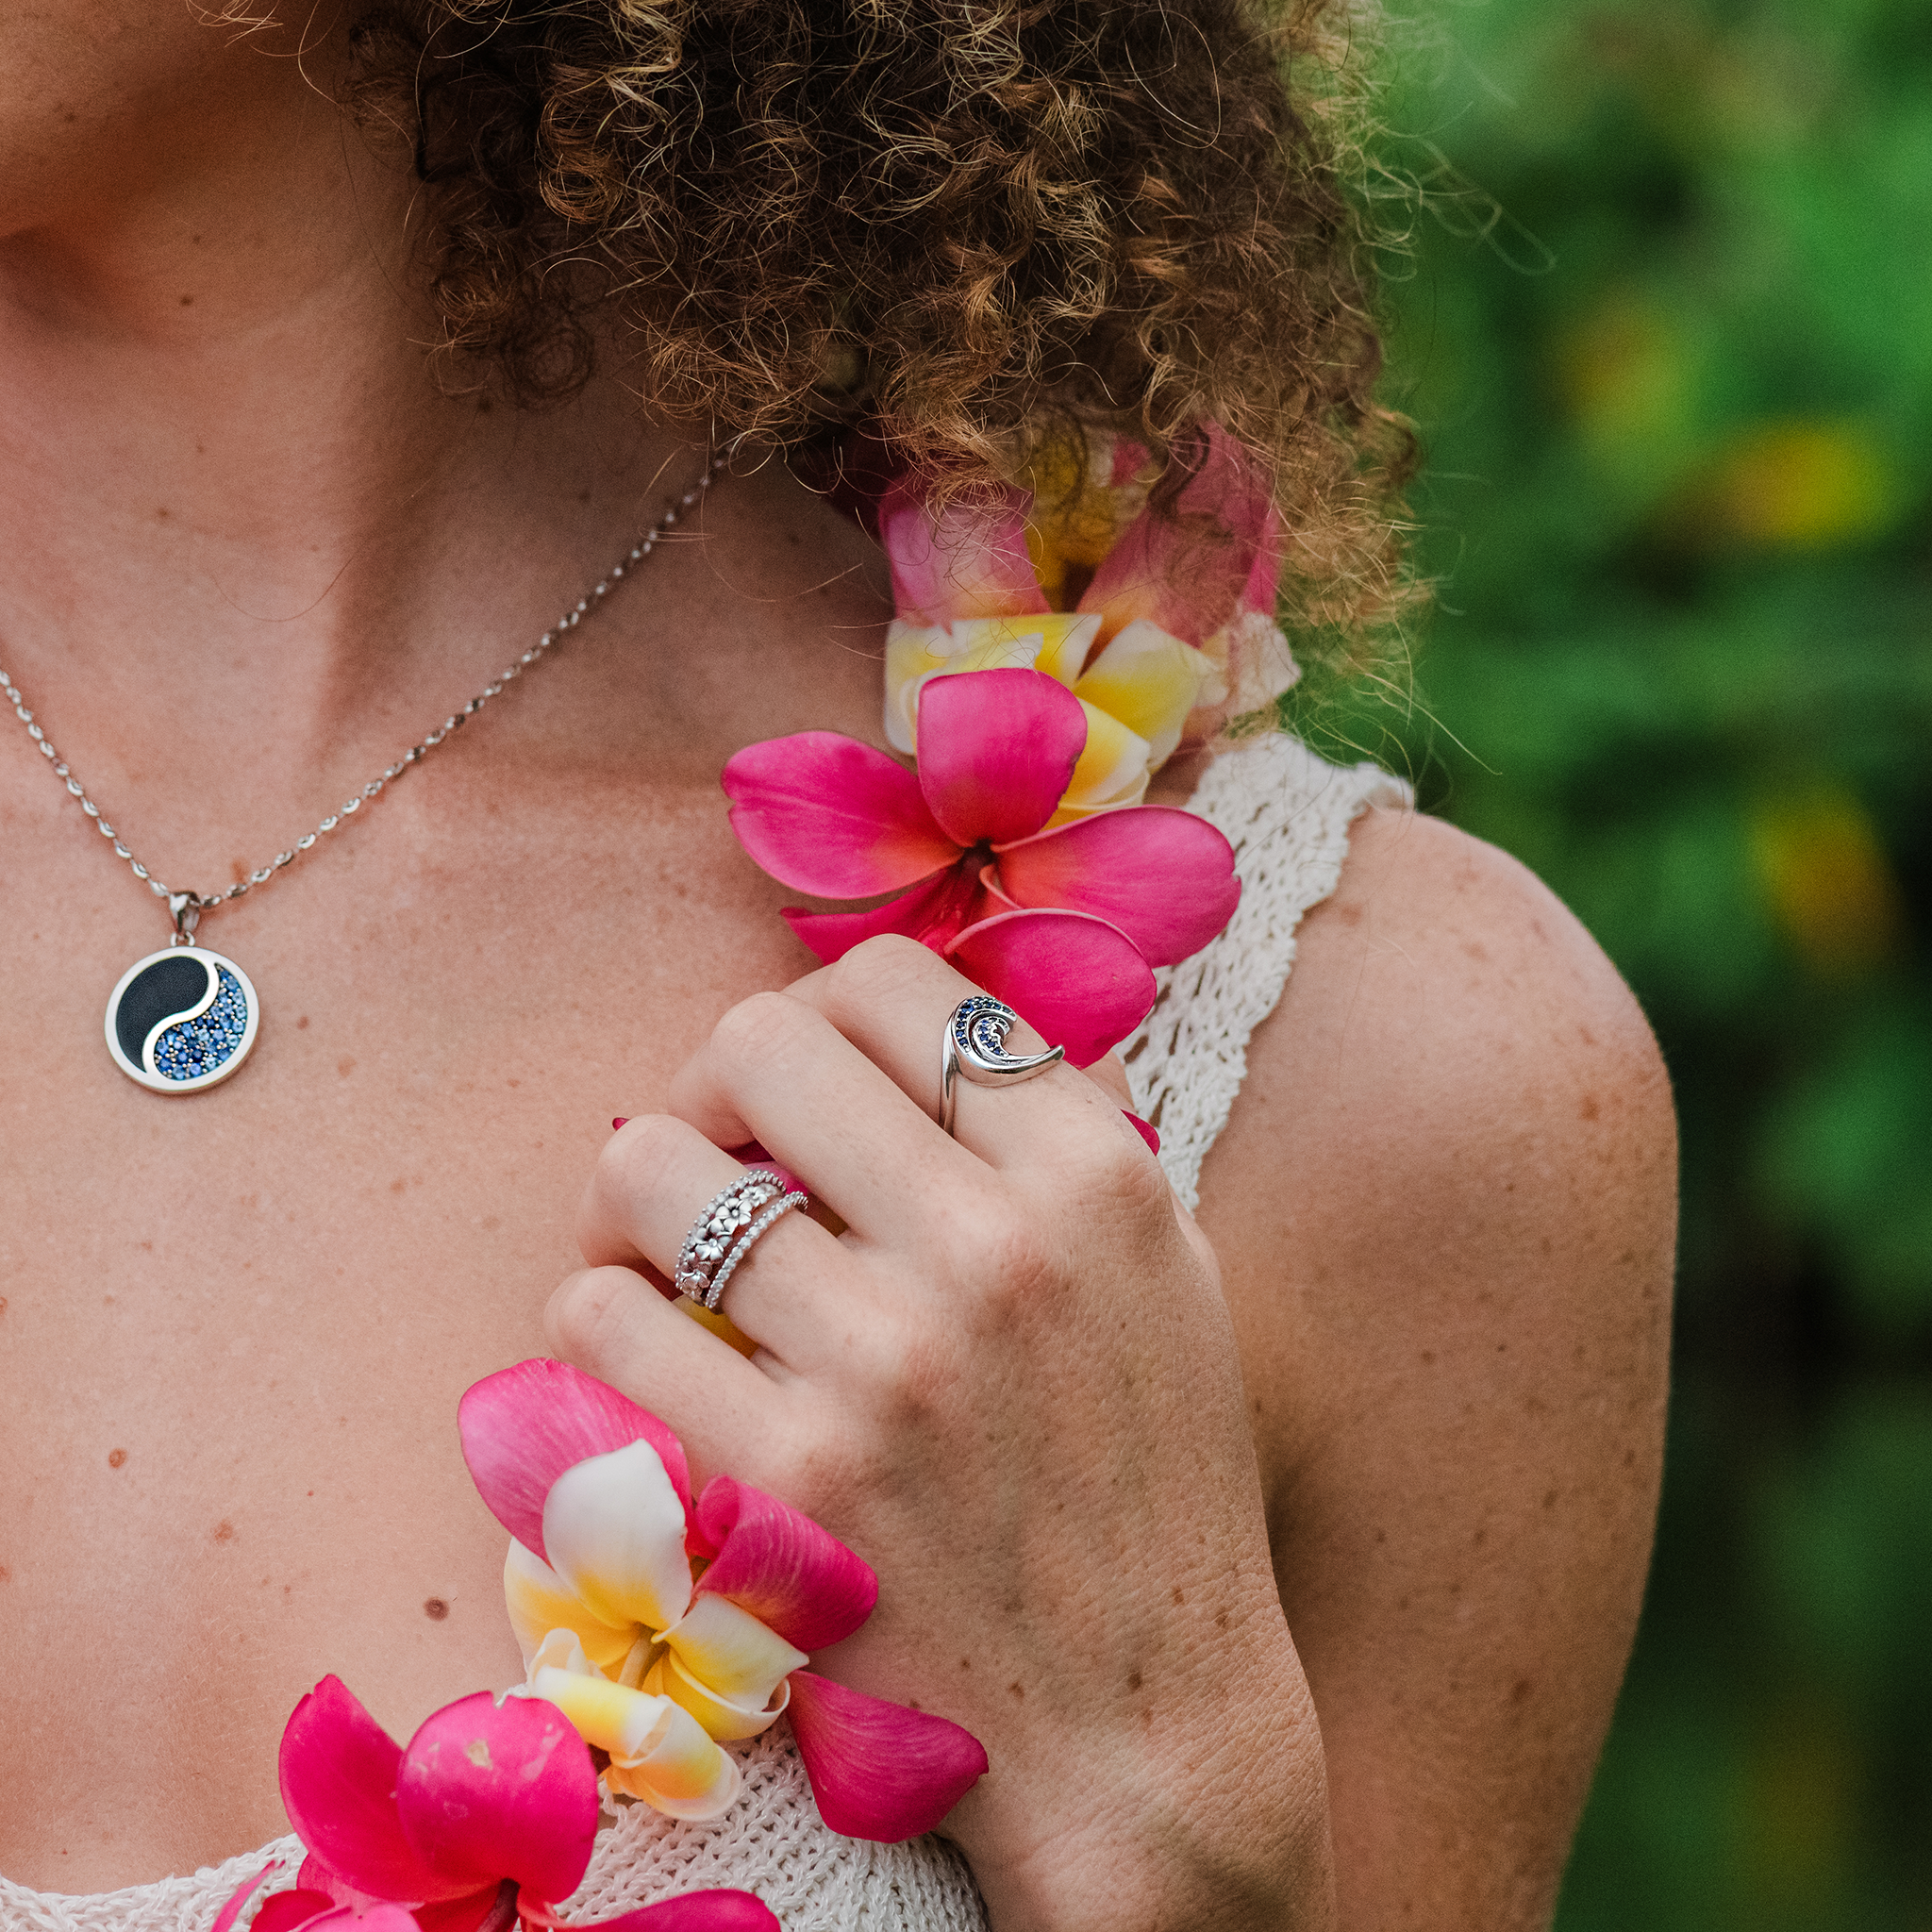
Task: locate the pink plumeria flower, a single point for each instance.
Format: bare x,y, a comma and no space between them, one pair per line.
663,1628
1176,618
1061,921
1207,569
481,1823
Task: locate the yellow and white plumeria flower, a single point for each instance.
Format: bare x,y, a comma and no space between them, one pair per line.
612,1632
666,1628
1137,694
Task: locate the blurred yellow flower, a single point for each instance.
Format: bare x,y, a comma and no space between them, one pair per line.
1828,880
1623,372
1797,486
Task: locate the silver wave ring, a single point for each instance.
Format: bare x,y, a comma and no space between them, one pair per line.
728,1228
975,1049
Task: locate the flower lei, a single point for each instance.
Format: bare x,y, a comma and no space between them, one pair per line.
1053,647
1019,848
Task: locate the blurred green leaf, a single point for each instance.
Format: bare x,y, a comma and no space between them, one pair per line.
1846,1550
1847,1146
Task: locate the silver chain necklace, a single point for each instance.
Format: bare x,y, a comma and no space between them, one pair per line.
185,1018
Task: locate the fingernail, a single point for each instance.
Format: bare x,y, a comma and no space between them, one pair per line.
618,1122
1146,1132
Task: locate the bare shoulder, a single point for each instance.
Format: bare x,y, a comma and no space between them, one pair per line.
1444,975
1446,1210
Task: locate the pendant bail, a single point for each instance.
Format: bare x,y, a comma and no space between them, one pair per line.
186,907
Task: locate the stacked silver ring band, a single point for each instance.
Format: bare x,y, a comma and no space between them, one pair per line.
724,1233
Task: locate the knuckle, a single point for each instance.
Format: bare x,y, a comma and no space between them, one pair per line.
891,952
644,1146
1102,1167
760,1027
630,1163
1002,1254
885,1432
587,1313
841,1470
887,963
1117,1168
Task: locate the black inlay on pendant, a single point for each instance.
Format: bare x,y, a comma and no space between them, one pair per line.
170,986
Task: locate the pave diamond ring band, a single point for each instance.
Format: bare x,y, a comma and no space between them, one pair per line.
975,1049
725,1232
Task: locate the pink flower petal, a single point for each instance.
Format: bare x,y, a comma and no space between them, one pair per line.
339,1769
490,1790
878,1770
931,913
243,1893
1129,459
1077,981
316,1877
462,1914
716,1910
777,1563
1263,590
375,1918
285,1911
1186,565
996,749
970,563
996,901
523,1426
473,1911
493,1910
827,815
1164,876
1145,1128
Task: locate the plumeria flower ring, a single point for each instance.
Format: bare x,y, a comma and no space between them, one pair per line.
664,1628
1063,922
483,1823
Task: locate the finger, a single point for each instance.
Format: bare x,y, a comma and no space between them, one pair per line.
776,1071
653,1179
1108,1072
892,1000
614,1325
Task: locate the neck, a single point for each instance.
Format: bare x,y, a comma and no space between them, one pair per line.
229,473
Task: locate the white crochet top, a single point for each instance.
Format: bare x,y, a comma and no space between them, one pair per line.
1287,815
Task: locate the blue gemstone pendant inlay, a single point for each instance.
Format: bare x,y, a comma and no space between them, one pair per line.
182,1019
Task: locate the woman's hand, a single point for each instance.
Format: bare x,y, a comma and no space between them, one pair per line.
1012,1386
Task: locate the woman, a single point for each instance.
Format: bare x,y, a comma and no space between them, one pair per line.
1284,1559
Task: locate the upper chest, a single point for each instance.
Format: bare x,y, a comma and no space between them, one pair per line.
454,1007
235,1324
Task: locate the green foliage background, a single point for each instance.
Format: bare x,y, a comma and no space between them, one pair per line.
1664,321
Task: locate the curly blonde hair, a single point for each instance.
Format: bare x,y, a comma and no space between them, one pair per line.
967,224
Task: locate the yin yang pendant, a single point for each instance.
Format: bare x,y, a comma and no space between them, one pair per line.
182,1019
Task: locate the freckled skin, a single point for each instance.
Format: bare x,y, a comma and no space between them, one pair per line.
1526,1425
1445,1276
